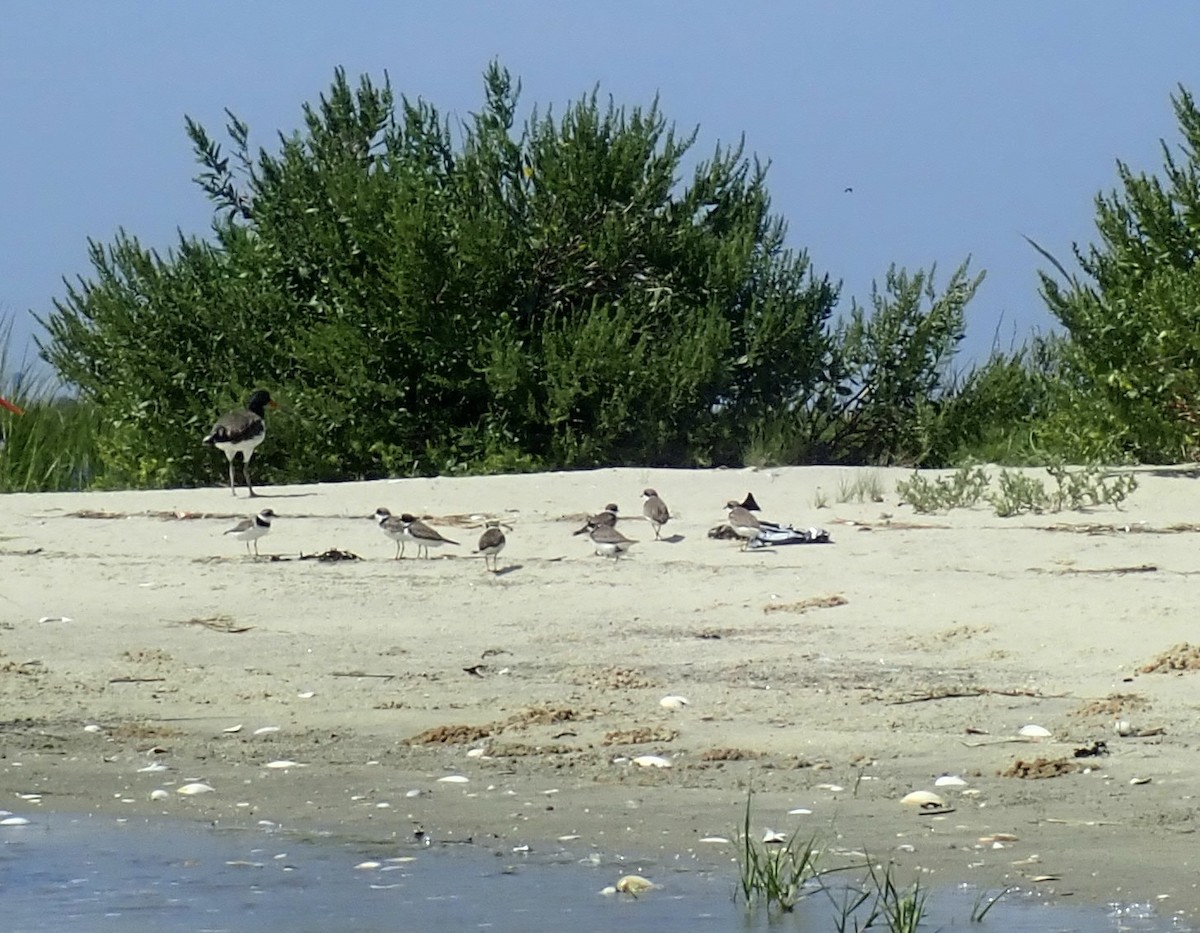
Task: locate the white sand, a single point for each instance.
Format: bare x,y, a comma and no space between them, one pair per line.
1030,622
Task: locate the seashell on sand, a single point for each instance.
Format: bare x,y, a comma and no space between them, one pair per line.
923,799
196,787
159,794
93,728
949,780
1123,727
365,866
1033,731
153,768
772,837
454,779
651,761
634,884
673,702
232,729
266,730
282,763
14,821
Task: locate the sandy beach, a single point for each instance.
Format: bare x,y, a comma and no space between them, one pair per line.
833,679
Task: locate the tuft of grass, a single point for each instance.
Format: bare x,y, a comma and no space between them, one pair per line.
903,909
863,486
984,901
1016,492
774,873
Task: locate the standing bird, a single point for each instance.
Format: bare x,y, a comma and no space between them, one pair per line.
491,543
607,517
393,527
251,529
609,542
422,535
655,510
744,525
239,432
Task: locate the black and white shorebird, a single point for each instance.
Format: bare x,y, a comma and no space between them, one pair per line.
491,543
394,527
606,517
422,535
609,542
240,432
655,510
251,529
744,525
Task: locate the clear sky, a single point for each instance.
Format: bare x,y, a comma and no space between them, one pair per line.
960,126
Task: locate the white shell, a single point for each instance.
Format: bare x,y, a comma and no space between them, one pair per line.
453,779
477,753
1123,727
1034,731
93,728
924,799
14,821
306,694
159,794
800,811
152,768
233,729
266,730
284,763
651,761
634,884
190,790
673,702
364,866
773,837
714,839
949,780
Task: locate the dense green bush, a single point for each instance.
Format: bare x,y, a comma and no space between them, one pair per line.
1129,369
429,299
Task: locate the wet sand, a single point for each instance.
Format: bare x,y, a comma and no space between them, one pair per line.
829,678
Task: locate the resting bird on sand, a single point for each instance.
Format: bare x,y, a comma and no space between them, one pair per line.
655,510
422,535
609,542
394,527
491,543
251,529
607,517
239,432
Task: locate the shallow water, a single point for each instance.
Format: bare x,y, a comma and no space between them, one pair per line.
65,872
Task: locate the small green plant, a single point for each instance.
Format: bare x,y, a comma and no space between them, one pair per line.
863,487
774,873
902,909
984,901
1018,493
820,499
961,490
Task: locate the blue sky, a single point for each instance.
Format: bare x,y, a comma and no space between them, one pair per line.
960,126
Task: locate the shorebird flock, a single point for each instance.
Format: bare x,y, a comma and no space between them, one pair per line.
241,431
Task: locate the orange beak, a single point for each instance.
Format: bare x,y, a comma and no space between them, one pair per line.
5,403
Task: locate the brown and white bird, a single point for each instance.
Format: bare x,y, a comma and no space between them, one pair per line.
422,535
607,517
609,542
491,543
393,526
655,510
251,529
744,525
240,432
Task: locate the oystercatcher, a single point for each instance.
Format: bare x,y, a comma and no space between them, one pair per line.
239,432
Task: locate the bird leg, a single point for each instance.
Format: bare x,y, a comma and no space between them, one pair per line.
231,488
246,473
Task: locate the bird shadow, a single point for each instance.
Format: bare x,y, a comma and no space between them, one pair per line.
672,539
511,568
280,495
